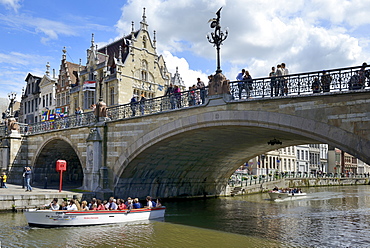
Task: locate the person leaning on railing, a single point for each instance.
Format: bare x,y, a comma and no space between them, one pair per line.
325,81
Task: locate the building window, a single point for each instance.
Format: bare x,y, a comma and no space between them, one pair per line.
111,95
46,100
63,98
89,99
43,101
50,99
76,104
58,100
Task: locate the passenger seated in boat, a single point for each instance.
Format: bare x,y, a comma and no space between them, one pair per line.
150,203
63,206
84,206
72,206
78,205
106,204
54,204
275,189
92,204
136,203
121,205
99,205
112,204
129,203
158,203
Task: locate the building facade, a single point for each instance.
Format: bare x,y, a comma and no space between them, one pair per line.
47,94
314,154
29,111
126,67
67,79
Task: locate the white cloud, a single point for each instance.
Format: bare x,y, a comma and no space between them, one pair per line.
49,29
11,4
307,35
188,76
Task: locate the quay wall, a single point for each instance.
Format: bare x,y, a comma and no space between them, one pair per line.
292,183
9,202
15,197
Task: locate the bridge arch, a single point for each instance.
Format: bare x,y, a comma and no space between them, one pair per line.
222,141
52,149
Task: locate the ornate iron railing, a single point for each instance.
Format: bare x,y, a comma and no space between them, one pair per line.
149,106
336,80
4,131
343,79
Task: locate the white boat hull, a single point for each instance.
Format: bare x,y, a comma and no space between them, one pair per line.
283,196
61,218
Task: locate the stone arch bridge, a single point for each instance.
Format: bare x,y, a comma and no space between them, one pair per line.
193,151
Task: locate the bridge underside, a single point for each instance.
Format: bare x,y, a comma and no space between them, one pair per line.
44,170
194,163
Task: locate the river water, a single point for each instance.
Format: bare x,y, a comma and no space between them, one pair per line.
329,217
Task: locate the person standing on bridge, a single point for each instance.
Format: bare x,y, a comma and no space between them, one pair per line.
279,79
325,81
169,93
241,85
133,104
273,85
202,88
248,83
285,73
142,104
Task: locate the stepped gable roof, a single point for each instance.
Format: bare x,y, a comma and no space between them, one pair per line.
73,72
113,49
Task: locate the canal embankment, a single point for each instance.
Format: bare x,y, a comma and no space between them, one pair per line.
15,197
260,186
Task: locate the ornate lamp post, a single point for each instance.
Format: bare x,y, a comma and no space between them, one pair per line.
11,96
100,105
217,37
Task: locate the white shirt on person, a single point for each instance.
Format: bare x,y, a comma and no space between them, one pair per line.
72,207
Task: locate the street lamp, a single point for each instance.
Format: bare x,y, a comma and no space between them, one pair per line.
100,105
11,96
217,37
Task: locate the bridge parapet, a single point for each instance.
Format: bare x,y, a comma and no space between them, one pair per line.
333,80
318,82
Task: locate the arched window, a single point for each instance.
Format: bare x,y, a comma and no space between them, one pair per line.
144,70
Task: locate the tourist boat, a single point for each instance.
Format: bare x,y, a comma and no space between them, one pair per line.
275,195
63,218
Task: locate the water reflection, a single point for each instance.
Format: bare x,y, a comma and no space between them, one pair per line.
137,234
328,217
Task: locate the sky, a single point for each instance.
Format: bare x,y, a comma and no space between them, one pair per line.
307,35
